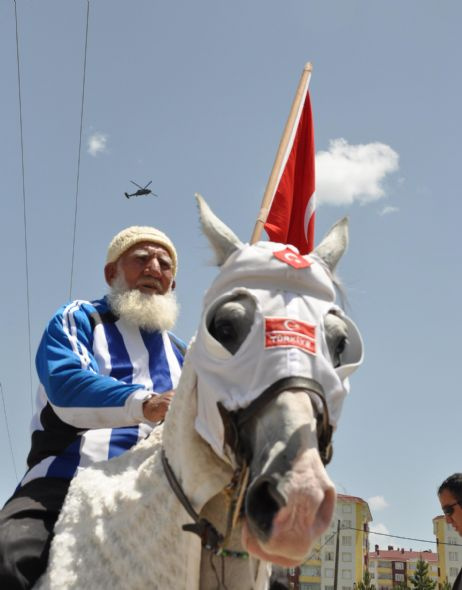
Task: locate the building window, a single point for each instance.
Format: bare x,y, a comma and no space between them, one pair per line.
346,574
329,572
310,586
329,556
312,571
399,577
346,587
347,508
399,565
346,540
346,524
453,556
346,557
453,571
328,588
383,564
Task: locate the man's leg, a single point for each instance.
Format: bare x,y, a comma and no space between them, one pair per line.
26,529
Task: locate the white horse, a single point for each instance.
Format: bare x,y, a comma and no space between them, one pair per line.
240,458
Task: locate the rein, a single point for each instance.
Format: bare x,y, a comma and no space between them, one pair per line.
211,539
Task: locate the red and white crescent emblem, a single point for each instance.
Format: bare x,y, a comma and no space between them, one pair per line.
292,258
290,325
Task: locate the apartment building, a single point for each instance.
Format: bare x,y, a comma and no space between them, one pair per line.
449,548
318,573
392,567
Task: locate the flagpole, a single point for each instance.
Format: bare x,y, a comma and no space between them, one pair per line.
273,179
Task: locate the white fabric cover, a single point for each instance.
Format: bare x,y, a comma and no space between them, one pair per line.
282,291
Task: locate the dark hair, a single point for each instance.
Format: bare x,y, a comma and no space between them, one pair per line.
453,484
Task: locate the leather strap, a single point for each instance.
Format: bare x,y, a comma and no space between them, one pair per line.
310,386
210,538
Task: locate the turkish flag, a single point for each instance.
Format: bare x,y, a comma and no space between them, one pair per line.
292,210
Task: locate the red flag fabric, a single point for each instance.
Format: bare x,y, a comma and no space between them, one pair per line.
292,210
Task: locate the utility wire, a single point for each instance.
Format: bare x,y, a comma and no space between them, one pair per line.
24,204
80,148
326,542
406,538
8,432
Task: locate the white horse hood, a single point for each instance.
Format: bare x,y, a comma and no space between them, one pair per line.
284,286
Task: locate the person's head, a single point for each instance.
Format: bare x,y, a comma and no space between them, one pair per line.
140,270
450,497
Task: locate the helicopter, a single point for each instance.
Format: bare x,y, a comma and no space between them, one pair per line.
143,190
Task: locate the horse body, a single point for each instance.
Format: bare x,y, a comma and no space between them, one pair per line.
248,402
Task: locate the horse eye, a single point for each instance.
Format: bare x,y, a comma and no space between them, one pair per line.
223,331
340,346
231,321
339,349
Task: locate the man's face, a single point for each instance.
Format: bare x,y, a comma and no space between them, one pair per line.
146,267
449,502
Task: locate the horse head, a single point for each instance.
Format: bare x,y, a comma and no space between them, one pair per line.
272,355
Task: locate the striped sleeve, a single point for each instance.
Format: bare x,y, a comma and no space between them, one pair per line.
69,373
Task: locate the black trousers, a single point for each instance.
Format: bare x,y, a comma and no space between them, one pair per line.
26,528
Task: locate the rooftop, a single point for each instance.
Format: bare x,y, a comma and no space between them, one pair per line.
344,497
403,555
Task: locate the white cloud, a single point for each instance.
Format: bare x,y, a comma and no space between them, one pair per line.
379,540
97,143
377,503
389,209
348,173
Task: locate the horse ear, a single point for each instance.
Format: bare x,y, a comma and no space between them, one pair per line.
334,244
223,240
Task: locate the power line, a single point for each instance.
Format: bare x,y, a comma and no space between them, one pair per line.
8,433
80,148
326,542
405,538
24,203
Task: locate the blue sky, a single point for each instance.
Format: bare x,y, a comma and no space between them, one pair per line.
195,96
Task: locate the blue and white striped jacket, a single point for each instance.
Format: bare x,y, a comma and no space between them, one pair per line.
95,372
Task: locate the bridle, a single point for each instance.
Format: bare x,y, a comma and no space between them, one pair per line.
211,539
234,421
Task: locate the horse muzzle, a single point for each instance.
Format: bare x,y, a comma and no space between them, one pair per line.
286,512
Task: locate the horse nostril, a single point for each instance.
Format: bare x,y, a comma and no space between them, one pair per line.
263,502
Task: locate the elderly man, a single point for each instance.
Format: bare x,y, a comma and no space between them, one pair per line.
107,372
450,497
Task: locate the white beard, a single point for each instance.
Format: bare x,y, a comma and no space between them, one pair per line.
150,312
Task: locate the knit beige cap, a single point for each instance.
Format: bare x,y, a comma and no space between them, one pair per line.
132,235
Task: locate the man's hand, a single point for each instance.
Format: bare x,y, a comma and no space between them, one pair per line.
155,408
